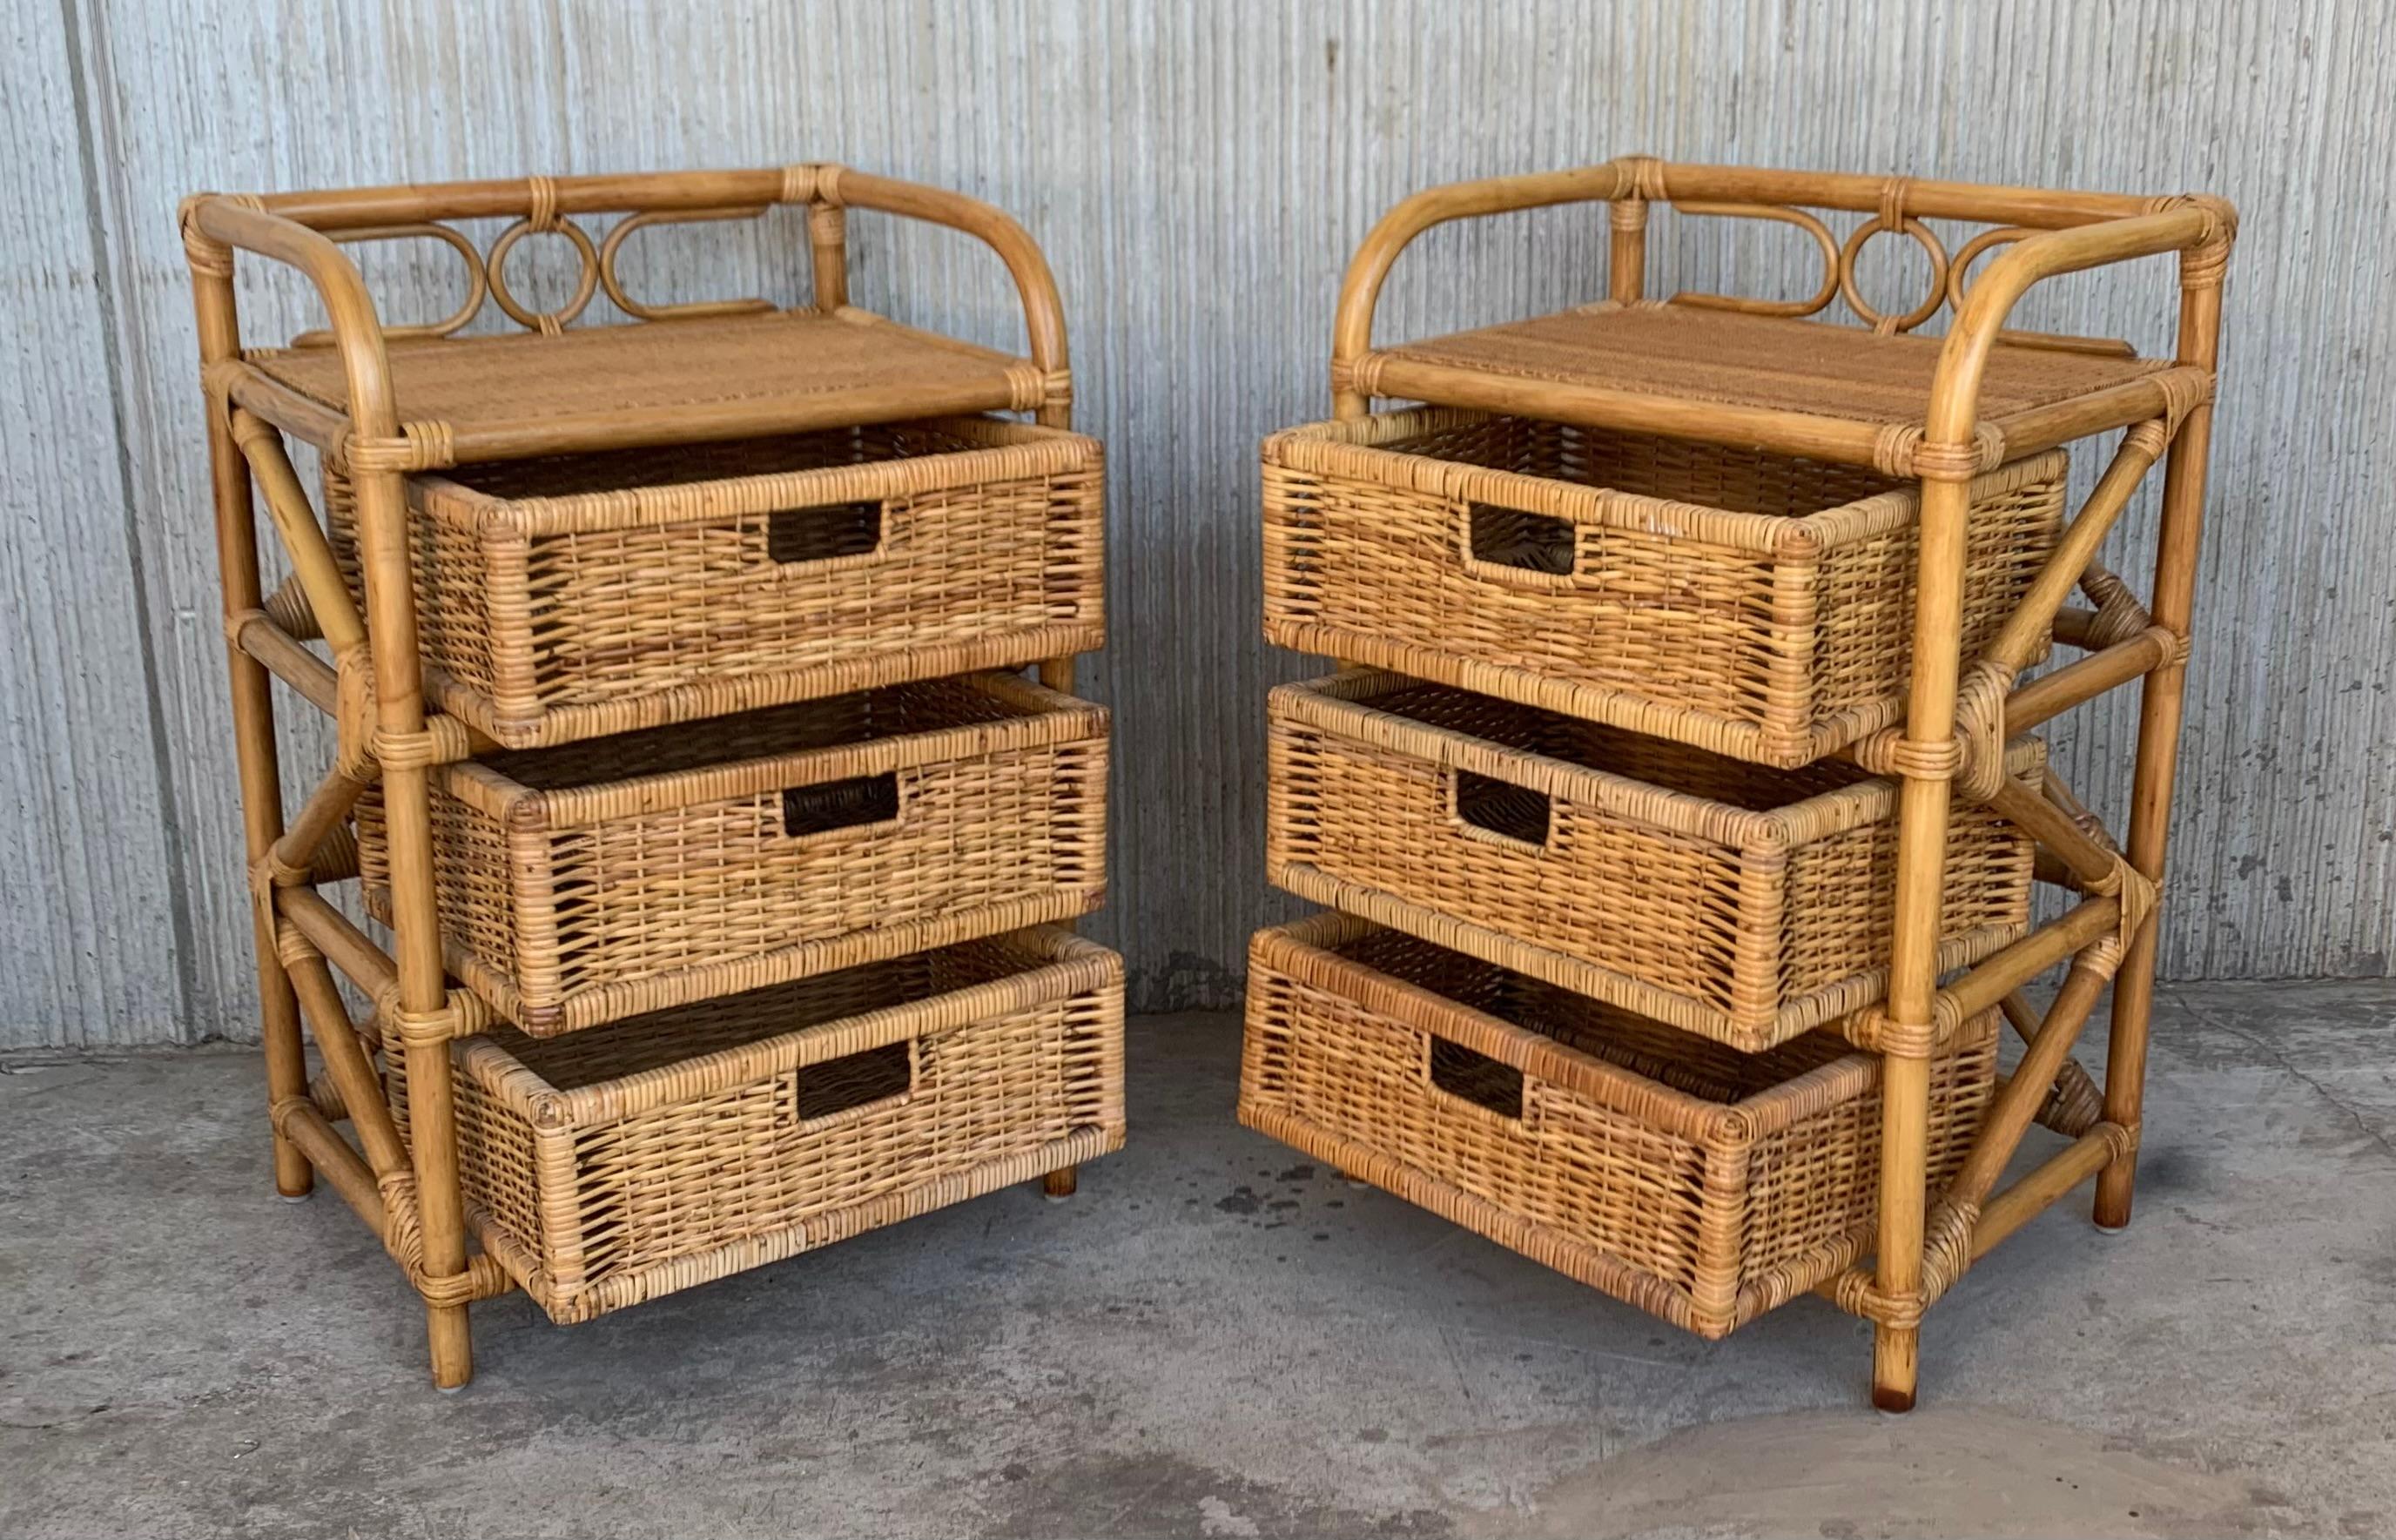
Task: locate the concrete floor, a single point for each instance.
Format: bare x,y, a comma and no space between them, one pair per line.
1214,1339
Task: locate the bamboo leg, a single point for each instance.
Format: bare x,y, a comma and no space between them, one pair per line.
2158,717
1056,673
416,921
253,724
1913,958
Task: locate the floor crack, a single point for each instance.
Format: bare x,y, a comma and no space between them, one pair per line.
2264,1045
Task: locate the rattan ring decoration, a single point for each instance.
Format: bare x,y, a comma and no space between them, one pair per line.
477,282
549,321
639,311
1782,214
1939,267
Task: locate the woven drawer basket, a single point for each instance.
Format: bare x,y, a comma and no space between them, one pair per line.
564,598
1701,1184
1745,904
1745,603
584,883
621,1163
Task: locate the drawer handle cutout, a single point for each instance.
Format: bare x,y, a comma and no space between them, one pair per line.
824,533
850,804
1513,812
1521,540
852,1081
1476,1078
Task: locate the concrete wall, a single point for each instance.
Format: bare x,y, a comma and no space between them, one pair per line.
1198,174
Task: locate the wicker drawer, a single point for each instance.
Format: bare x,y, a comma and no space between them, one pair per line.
564,598
584,883
1698,1183
618,1165
1755,606
1743,903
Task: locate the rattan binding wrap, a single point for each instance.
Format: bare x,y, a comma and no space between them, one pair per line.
1753,605
621,1163
1741,903
589,883
578,595
1697,1183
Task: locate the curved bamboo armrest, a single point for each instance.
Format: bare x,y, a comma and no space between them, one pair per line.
1360,291
357,331
1043,314
2205,225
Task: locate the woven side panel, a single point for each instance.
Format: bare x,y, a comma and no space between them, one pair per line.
1841,905
454,575
1815,1184
497,1167
471,871
1864,594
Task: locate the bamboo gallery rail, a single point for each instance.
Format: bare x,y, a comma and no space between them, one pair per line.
534,540
1527,425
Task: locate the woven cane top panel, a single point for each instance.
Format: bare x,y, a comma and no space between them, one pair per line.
797,369
1768,362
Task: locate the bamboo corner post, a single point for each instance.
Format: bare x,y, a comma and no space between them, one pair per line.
1989,394
363,405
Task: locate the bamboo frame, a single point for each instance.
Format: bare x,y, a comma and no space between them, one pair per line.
407,1190
1954,719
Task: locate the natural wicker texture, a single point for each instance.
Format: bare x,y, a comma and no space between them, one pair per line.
1627,365
589,883
1744,904
1701,1184
567,597
1750,604
690,381
621,1163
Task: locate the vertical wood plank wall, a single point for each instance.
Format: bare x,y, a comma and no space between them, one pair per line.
1198,174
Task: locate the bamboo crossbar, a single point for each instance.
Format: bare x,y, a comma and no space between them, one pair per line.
1985,985
303,537
2085,679
333,934
2076,1105
2090,864
326,810
334,1159
288,660
2009,1118
319,683
2026,631
2026,1199
2074,626
336,1039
